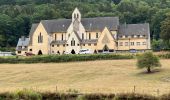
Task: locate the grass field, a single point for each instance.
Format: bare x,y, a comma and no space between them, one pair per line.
110,76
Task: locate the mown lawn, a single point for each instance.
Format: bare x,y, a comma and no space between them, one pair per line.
110,76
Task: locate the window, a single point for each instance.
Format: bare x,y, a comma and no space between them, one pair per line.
132,43
138,43
138,36
58,45
95,44
19,52
52,51
74,16
89,36
84,44
97,35
68,35
82,36
30,49
120,43
67,45
73,42
52,45
144,43
78,44
55,37
63,45
89,44
62,37
40,38
126,43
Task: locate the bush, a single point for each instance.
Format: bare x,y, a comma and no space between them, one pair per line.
134,96
148,60
64,58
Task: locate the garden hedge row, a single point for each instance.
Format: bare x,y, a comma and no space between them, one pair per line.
64,58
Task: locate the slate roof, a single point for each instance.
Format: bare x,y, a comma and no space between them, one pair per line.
58,42
99,23
60,25
22,42
134,29
33,28
90,24
89,41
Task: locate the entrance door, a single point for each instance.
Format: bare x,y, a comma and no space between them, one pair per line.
40,52
73,52
105,48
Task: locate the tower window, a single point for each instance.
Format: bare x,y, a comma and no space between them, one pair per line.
74,16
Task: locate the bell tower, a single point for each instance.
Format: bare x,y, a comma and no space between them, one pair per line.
76,15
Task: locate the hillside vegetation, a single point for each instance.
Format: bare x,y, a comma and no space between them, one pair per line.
16,16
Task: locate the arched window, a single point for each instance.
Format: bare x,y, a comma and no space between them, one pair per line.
55,37
89,36
82,36
62,37
77,15
73,43
74,16
40,38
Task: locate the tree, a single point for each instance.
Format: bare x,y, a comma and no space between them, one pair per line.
165,30
148,60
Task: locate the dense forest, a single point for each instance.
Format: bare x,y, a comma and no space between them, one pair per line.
16,16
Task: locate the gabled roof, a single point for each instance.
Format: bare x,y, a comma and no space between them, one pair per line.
22,42
134,29
99,23
33,28
60,25
90,24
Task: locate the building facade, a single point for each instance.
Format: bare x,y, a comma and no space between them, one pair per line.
97,34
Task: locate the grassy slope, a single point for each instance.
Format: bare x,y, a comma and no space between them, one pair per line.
97,76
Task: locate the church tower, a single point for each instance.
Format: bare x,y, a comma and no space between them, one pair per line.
76,19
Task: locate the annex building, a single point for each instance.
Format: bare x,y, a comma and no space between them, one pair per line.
71,35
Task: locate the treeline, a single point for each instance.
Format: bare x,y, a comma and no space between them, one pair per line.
16,16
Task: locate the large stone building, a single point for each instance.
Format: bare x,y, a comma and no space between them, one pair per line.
98,34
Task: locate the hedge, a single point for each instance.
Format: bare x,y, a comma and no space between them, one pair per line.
64,58
32,95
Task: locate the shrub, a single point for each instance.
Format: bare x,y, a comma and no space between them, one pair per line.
64,58
148,60
134,96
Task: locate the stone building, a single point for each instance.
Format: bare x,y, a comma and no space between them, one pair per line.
71,35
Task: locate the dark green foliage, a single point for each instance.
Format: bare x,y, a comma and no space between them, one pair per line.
64,58
148,60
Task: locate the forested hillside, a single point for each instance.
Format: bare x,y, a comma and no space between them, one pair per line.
16,16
